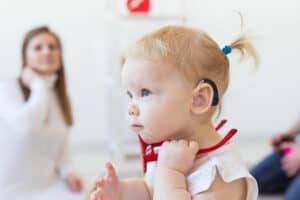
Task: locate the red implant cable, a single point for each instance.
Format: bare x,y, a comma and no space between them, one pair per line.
154,156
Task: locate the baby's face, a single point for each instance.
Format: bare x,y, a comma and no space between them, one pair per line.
160,99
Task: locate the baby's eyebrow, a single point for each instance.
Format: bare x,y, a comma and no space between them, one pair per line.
134,84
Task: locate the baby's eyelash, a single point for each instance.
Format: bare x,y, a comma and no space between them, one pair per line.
145,92
129,94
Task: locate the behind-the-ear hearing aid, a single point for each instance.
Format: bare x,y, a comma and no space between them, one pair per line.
215,100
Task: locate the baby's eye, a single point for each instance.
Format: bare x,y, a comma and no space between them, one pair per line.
146,92
129,94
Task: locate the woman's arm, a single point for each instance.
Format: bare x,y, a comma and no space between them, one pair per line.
66,171
29,115
64,164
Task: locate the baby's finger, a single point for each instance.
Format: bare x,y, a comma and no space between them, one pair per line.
183,142
194,146
96,195
111,172
99,182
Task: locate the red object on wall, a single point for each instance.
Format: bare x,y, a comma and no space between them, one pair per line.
138,6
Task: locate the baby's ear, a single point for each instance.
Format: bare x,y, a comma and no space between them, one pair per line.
202,98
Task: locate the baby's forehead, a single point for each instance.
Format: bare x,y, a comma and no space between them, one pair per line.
145,70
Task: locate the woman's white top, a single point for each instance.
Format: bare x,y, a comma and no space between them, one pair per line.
33,143
224,160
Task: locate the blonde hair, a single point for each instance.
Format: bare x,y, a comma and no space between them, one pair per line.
193,52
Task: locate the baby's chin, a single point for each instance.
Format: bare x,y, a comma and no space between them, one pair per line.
149,138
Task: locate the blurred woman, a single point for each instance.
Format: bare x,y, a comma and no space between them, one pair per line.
35,116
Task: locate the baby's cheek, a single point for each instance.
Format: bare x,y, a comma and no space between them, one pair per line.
154,119
160,118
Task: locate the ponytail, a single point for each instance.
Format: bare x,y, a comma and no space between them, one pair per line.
245,47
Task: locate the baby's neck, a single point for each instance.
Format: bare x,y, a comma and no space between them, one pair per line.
204,134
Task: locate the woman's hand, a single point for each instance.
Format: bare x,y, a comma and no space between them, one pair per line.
28,75
74,183
291,162
280,137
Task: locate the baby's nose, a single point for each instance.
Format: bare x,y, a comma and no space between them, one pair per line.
133,110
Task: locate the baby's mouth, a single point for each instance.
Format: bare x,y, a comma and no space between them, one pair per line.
137,127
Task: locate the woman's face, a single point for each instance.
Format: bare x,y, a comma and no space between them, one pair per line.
43,54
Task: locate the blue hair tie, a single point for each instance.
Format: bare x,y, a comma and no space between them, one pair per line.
227,49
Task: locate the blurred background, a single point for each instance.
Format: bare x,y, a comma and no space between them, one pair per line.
95,33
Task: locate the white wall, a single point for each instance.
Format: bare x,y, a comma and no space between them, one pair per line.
257,103
266,101
82,29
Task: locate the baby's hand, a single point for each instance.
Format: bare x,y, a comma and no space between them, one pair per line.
74,183
107,188
178,155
